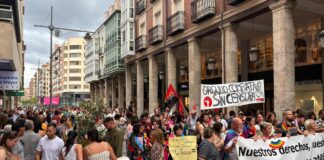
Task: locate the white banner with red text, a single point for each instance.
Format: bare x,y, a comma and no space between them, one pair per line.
293,148
232,94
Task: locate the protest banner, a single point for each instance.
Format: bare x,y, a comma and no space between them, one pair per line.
293,148
232,94
184,147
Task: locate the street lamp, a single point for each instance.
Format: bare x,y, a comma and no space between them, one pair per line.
134,81
254,54
321,39
51,27
161,75
211,64
183,70
145,78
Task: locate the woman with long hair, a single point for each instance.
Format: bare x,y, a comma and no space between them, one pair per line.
8,141
272,118
97,149
259,120
71,150
137,142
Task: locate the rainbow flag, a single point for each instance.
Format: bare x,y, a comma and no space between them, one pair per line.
276,144
284,126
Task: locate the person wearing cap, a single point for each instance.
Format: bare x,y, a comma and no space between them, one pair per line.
191,122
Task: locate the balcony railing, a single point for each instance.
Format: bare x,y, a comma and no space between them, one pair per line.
202,9
141,43
140,6
155,34
175,23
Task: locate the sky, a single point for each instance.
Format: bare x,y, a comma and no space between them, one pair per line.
75,14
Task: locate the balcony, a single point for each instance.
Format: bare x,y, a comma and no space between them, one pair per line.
234,2
202,9
155,34
140,6
141,43
175,23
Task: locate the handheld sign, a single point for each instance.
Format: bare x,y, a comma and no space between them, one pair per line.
232,94
183,148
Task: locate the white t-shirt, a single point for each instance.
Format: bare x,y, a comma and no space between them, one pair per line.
50,148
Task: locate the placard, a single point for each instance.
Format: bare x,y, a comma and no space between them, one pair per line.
232,94
293,148
183,148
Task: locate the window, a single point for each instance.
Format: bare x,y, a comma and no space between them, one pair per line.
131,32
131,4
75,86
142,28
157,18
75,78
123,36
131,13
66,55
86,86
65,87
75,70
75,63
75,55
75,46
65,47
65,62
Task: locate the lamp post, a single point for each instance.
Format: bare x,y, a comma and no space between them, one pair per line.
183,70
51,27
254,54
321,45
211,64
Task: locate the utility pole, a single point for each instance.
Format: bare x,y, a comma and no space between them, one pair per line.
51,28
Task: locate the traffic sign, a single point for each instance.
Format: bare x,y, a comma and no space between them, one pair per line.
15,93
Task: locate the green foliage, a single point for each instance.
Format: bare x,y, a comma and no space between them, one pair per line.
86,120
30,101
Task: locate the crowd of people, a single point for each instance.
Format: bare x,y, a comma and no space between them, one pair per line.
53,134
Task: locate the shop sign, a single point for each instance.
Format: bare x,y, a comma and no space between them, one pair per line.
15,93
232,94
9,80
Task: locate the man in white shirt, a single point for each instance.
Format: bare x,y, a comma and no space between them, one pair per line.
50,146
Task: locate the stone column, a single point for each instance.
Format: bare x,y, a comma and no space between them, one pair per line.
92,93
171,68
139,88
231,64
153,84
121,91
128,85
113,93
283,56
97,91
194,74
106,92
103,91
